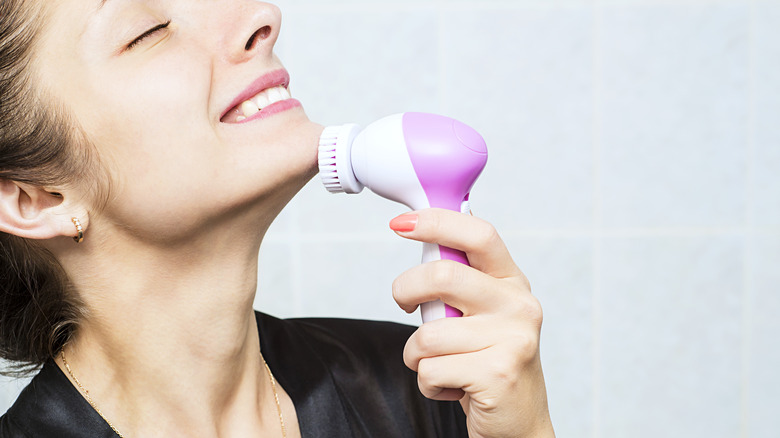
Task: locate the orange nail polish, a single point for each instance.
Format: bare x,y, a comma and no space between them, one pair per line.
403,223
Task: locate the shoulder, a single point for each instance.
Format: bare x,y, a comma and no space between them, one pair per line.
50,406
346,341
9,429
21,417
328,327
374,335
356,368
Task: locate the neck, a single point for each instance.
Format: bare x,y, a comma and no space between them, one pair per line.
169,341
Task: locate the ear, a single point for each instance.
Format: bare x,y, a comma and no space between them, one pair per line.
34,213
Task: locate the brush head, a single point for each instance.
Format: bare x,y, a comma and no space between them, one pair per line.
335,159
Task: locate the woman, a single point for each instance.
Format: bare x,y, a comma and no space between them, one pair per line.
139,129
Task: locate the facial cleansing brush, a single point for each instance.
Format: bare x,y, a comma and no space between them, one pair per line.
420,160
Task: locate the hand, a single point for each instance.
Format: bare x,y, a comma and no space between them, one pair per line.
489,358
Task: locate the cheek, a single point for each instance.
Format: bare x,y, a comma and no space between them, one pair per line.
152,122
170,100
161,152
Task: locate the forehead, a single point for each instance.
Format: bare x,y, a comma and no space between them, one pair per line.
63,54
71,29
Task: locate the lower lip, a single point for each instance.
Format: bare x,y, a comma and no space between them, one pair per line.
274,108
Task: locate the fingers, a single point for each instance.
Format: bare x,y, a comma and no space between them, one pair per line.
458,285
444,377
458,336
444,337
476,237
489,358
437,379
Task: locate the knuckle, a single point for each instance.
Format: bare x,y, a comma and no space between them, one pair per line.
427,373
486,234
528,309
425,369
444,274
427,339
531,309
527,347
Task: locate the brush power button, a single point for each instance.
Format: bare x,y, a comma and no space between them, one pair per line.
469,137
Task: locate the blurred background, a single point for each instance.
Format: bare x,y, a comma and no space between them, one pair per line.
634,173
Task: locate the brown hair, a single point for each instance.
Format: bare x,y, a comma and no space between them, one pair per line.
42,146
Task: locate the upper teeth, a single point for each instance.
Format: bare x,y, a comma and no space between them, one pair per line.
262,100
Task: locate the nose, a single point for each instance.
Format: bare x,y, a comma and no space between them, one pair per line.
255,30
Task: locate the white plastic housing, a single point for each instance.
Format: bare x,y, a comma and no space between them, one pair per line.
377,158
432,309
381,162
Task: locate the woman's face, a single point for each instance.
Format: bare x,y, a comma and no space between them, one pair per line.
158,87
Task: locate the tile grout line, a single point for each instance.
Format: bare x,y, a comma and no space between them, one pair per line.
546,233
486,5
747,259
444,107
597,215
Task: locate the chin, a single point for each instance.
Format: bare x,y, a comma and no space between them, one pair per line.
310,141
284,166
298,174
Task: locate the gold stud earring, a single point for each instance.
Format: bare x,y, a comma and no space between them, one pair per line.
80,237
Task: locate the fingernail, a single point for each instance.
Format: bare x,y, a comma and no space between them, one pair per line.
405,222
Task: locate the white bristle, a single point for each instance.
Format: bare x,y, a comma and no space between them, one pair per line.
335,161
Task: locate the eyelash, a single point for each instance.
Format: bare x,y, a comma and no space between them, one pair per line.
147,34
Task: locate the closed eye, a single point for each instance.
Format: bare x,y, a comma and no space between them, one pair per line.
147,34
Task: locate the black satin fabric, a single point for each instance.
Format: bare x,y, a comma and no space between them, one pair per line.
345,377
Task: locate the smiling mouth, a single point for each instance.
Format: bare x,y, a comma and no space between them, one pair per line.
256,104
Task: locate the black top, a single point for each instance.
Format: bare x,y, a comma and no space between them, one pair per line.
345,377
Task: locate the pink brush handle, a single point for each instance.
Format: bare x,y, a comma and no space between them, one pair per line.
447,157
437,309
457,256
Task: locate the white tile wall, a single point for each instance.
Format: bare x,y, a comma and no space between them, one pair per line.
364,288
9,390
673,90
634,173
766,114
527,85
388,61
277,291
763,361
670,335
561,273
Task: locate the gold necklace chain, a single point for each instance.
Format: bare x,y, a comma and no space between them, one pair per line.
94,406
86,393
276,397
